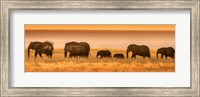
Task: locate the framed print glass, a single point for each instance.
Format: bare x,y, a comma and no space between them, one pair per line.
100,48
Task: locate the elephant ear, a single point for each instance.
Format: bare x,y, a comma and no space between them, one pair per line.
131,46
31,45
72,47
164,50
134,47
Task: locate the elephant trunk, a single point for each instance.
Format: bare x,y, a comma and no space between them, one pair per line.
28,52
65,51
65,54
51,52
97,56
157,55
127,54
29,47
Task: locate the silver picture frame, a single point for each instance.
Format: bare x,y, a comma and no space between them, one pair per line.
8,5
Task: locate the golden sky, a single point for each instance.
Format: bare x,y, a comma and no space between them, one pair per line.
103,35
99,27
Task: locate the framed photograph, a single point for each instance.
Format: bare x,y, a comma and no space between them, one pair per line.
100,48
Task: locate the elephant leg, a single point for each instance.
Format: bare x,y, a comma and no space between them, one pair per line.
36,54
161,56
87,56
81,56
172,57
49,56
166,57
132,56
77,56
108,56
84,56
70,55
40,55
65,54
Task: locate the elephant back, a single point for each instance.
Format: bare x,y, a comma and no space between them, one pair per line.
47,47
143,49
35,45
170,50
78,48
70,43
104,52
86,45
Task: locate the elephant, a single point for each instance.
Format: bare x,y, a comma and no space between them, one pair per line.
41,48
104,54
140,50
118,56
77,49
166,51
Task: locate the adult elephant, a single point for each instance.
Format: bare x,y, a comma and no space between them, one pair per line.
166,51
75,49
104,54
140,50
41,48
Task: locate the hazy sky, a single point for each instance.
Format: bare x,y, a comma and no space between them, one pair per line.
102,36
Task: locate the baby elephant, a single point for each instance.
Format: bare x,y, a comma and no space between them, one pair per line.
118,56
104,54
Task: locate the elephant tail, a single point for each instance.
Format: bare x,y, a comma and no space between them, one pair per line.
65,54
97,55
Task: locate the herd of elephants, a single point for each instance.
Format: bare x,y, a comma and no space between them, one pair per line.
82,49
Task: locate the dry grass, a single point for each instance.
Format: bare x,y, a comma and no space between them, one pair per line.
60,64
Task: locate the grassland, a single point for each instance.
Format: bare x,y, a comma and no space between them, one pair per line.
60,64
